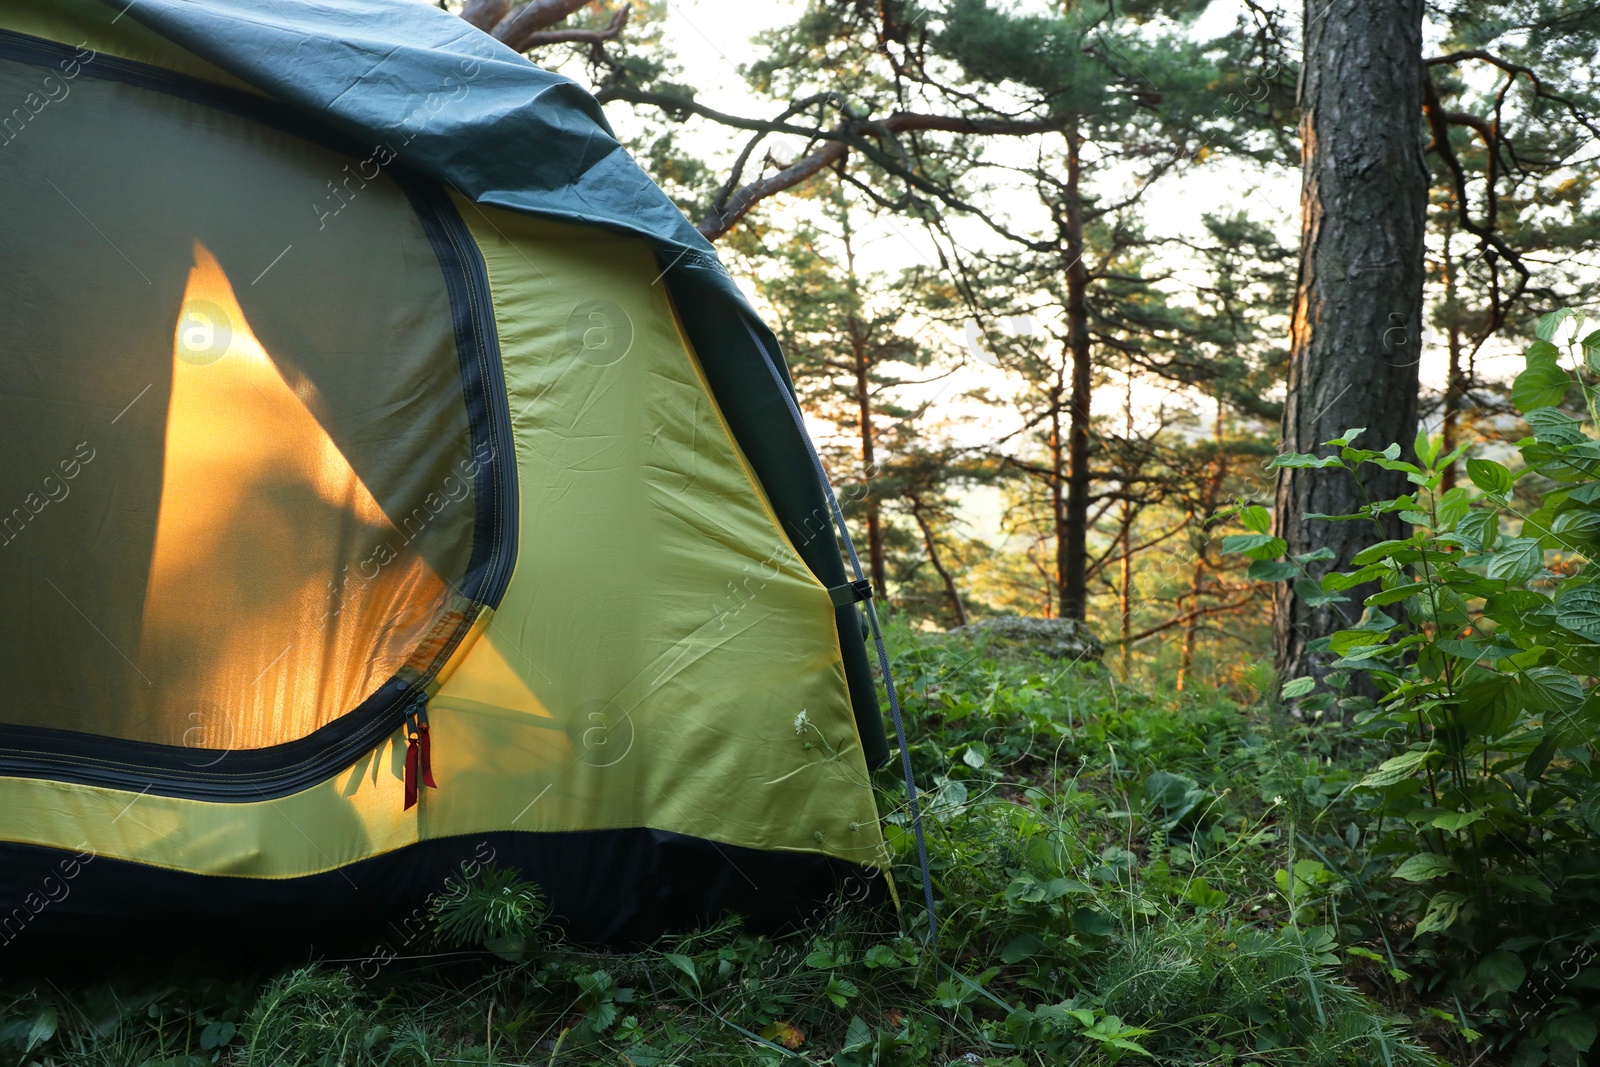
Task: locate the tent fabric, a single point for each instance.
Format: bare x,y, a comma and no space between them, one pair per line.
315,469
454,104
468,353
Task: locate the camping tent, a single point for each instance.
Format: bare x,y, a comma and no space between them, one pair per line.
395,483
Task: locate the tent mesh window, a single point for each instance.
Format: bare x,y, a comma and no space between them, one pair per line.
245,477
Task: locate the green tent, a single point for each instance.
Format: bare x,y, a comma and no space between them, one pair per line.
396,483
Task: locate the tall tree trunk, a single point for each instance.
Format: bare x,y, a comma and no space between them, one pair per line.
1125,587
1455,390
1058,446
1191,629
861,360
1455,382
875,562
938,565
1356,328
1125,516
1075,549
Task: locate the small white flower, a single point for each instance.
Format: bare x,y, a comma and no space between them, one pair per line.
1277,800
801,721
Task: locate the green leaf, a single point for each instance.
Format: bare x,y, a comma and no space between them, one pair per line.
1020,948
42,1029
1317,555
1397,594
1574,526
1398,769
1501,971
1553,427
1344,640
882,956
216,1034
1546,327
827,956
1474,649
1381,550
1254,545
1347,437
1542,385
1482,525
1541,353
684,964
1578,609
1489,476
1298,460
1202,895
1591,350
1425,867
1590,810
1092,922
1266,570
1298,687
1443,910
1516,560
1574,1029
1412,472
1256,518
1456,820
1426,447
1336,581
840,990
1538,760
1546,689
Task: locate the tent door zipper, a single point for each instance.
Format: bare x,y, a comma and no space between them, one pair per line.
419,751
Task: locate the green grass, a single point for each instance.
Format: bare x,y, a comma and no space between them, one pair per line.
1113,866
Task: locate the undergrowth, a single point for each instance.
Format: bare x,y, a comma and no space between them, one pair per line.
1123,876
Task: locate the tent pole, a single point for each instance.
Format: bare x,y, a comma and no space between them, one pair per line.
872,623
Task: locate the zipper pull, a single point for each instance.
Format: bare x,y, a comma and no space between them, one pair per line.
419,751
424,745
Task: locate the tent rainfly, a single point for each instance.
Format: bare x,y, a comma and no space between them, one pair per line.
395,483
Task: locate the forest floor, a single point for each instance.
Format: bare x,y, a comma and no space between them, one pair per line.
1125,875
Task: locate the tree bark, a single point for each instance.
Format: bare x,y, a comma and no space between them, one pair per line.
938,564
1058,445
1073,578
1455,385
1125,587
1191,630
869,462
1356,327
861,363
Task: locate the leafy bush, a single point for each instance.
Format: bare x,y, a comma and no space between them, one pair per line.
1484,642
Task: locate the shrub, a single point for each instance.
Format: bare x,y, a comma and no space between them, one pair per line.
1484,643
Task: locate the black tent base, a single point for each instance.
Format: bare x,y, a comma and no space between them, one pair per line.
608,888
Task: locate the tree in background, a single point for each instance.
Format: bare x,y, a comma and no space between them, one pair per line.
842,330
1514,195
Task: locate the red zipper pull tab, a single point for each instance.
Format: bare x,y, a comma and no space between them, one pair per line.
425,747
411,769
419,751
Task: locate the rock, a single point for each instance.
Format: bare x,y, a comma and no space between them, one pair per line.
1056,638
